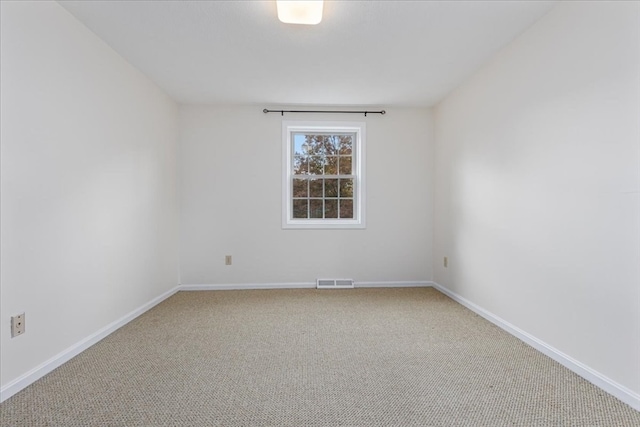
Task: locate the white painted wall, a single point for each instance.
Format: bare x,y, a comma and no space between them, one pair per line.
89,204
537,186
231,188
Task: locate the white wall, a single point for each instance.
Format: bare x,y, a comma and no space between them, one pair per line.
231,189
537,186
89,216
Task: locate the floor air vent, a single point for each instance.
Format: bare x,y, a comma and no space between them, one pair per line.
334,284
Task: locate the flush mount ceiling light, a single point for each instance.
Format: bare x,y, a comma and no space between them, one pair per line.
307,12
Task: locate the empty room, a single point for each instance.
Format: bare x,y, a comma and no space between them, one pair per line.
320,213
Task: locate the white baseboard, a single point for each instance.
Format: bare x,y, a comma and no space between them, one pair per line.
246,286
300,285
621,392
43,369
399,284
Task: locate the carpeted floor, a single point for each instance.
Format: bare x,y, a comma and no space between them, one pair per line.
361,357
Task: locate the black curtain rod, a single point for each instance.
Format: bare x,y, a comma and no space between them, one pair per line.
324,111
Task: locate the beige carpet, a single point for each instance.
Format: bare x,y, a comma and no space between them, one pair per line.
363,357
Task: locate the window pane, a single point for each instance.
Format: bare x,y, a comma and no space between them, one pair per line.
330,188
316,208
346,208
315,188
299,146
300,165
316,164
331,208
331,145
345,165
331,165
316,144
300,208
300,188
346,144
346,188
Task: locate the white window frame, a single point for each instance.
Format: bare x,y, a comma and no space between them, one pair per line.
358,159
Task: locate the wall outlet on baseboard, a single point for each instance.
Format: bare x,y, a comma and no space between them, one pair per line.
227,260
17,325
445,262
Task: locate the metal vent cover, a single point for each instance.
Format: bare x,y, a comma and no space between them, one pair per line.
334,284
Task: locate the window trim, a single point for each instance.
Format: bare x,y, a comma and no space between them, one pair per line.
359,199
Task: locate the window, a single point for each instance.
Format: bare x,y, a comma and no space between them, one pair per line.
323,176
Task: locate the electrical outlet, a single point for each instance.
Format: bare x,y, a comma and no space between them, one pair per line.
227,260
17,325
446,262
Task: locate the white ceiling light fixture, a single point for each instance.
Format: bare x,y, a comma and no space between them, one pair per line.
307,12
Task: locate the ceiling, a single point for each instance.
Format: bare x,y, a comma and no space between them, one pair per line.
366,53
